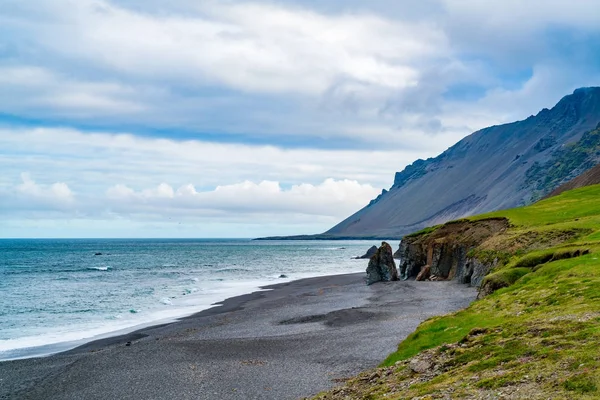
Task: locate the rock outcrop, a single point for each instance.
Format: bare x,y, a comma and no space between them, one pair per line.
370,253
424,274
382,266
443,253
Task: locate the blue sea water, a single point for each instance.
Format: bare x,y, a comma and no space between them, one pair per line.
55,294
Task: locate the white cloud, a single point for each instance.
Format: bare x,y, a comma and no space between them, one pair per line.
124,177
244,204
330,198
248,46
86,160
58,191
30,197
39,89
155,69
375,85
268,69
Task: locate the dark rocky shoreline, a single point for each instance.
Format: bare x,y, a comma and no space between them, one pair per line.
292,341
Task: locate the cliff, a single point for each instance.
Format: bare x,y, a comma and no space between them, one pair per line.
495,168
447,250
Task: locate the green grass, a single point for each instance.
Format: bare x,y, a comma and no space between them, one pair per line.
582,204
539,329
424,231
504,278
439,330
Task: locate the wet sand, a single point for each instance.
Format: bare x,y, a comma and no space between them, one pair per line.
292,341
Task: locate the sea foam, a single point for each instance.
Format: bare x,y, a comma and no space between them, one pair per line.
106,268
164,279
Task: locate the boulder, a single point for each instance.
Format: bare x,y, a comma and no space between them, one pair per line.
368,254
424,274
420,365
382,266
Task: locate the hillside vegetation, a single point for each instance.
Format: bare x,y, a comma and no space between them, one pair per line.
567,162
536,332
589,177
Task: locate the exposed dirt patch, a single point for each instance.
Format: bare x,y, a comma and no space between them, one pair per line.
531,240
465,231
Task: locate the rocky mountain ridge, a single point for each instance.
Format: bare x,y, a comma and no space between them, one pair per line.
495,168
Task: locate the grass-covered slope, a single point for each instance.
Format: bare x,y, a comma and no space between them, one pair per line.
537,337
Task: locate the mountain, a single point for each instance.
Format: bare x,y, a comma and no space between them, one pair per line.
495,168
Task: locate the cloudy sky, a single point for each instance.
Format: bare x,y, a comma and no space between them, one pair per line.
148,118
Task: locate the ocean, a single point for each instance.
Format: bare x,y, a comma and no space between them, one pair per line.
56,294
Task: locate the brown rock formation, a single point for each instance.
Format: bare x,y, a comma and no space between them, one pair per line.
424,274
445,250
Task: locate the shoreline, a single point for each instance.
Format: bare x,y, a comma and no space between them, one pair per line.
114,336
49,349
230,304
287,340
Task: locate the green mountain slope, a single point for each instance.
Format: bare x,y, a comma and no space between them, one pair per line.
565,163
589,177
535,332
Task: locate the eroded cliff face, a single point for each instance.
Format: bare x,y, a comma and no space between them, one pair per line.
445,251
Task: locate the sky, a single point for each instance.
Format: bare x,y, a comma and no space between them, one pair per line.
147,118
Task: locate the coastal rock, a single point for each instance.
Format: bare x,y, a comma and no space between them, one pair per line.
382,266
474,271
412,258
445,250
424,274
368,254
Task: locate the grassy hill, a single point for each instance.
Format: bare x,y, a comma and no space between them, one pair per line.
536,332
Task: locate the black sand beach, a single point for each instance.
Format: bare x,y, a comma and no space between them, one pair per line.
292,341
